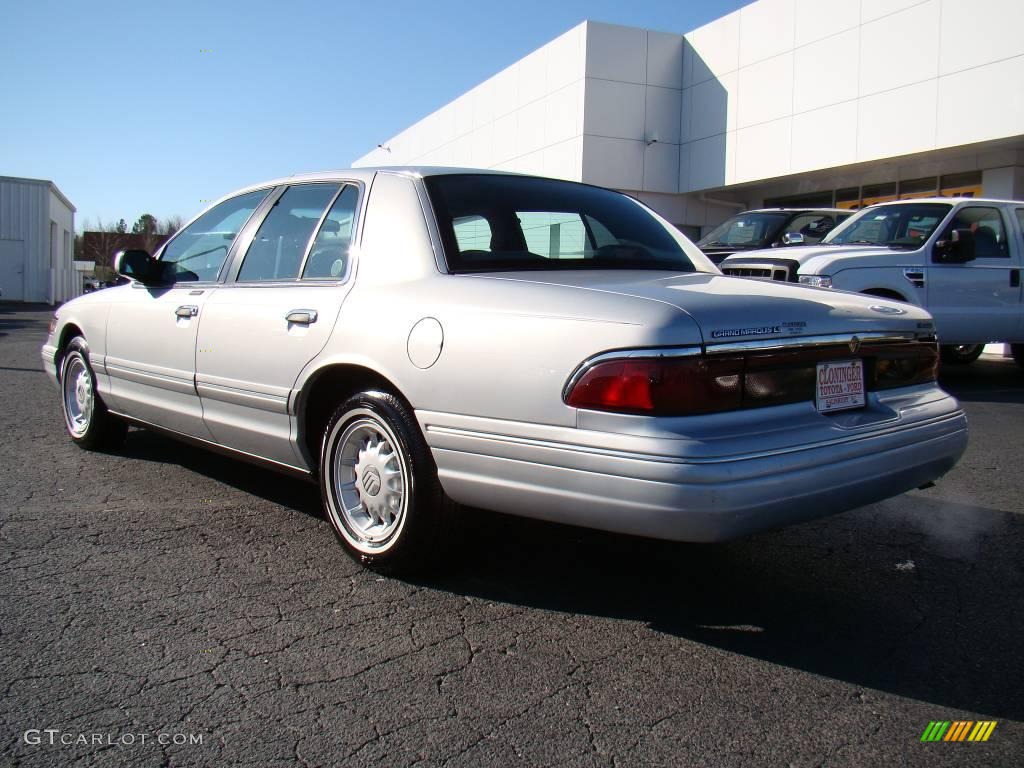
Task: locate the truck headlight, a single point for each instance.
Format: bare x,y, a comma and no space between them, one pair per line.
818,281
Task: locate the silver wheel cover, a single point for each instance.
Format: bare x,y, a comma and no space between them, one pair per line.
369,480
79,395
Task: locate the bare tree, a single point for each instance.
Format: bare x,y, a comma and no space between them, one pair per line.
171,224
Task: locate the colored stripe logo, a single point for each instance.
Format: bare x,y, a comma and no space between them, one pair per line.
958,730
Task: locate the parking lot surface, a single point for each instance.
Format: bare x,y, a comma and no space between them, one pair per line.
163,606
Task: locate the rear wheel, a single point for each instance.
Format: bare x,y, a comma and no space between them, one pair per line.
88,422
961,354
379,485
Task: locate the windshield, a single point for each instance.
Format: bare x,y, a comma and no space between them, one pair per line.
897,226
746,229
492,222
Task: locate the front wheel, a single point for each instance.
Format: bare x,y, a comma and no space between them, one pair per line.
379,485
86,418
961,354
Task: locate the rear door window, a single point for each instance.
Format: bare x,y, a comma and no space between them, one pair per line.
277,249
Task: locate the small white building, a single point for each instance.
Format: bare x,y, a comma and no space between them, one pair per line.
37,230
783,102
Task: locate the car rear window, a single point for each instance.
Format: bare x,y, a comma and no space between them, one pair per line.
492,222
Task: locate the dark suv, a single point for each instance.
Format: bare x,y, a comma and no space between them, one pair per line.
768,228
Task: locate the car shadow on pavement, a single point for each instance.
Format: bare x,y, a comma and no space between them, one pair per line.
990,379
918,603
280,489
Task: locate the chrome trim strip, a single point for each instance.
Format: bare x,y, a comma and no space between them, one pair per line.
252,458
241,397
626,354
174,384
801,342
889,426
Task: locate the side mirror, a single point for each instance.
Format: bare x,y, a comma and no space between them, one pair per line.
793,238
135,264
959,249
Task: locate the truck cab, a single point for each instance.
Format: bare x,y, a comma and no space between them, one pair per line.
960,258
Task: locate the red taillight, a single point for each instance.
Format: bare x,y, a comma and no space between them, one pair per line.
661,386
682,386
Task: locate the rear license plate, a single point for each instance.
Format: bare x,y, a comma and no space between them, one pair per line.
840,385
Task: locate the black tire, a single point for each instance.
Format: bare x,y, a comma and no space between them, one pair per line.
88,422
961,354
394,536
1018,353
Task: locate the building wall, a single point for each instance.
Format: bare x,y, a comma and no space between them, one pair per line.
790,86
64,281
527,118
778,99
27,208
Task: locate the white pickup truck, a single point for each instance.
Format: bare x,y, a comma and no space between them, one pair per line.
959,258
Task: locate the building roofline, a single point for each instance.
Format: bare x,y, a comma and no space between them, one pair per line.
53,188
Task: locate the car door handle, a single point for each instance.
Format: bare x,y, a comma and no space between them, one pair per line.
1015,278
187,310
301,316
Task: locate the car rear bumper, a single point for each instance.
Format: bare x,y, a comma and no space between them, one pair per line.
673,495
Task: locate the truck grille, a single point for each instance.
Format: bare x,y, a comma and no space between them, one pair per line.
759,271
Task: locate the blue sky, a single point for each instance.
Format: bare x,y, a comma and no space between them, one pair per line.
118,103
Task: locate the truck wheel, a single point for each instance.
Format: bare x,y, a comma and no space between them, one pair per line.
379,485
86,418
961,354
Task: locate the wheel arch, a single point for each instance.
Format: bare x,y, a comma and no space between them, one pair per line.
69,331
322,392
885,293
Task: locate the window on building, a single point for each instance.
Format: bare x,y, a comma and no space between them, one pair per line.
329,256
199,250
961,184
848,198
277,249
987,225
878,193
913,188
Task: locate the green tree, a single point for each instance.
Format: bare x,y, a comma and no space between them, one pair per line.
121,227
146,225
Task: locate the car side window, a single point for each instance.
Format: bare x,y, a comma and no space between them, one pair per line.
813,226
1020,218
198,251
329,257
987,225
277,249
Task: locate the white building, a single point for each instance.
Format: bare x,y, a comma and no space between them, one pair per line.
803,102
37,230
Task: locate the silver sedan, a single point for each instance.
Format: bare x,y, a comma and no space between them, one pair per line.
412,337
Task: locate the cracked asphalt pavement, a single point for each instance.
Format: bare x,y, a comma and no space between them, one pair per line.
165,593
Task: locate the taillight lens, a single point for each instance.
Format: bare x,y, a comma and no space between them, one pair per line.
667,386
661,386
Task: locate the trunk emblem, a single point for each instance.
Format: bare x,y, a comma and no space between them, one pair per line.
854,345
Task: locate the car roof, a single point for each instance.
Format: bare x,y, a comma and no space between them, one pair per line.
946,200
798,210
366,174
